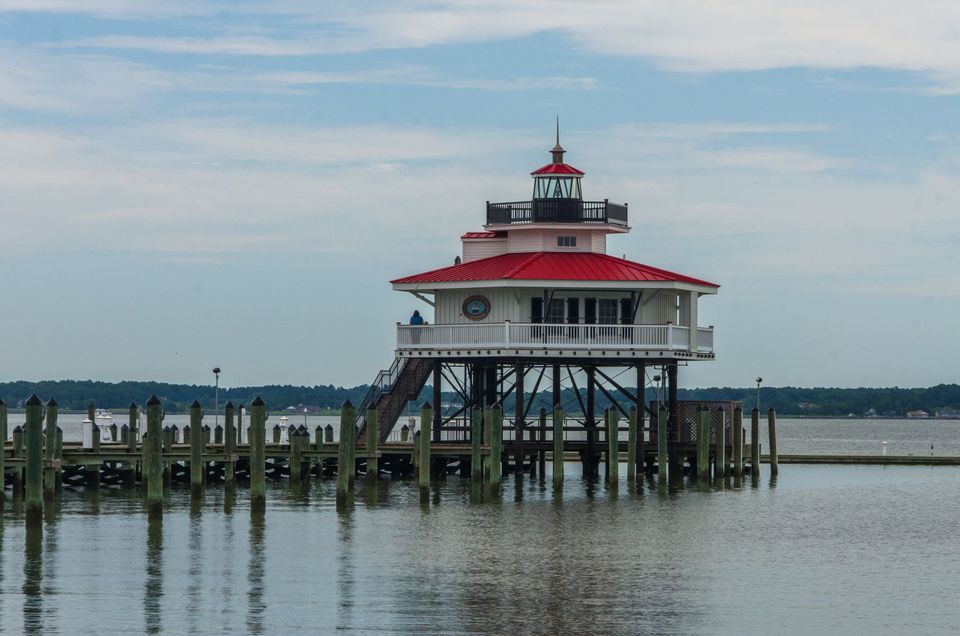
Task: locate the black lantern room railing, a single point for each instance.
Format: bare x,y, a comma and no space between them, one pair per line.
556,211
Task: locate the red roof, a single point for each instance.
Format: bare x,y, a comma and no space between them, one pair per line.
583,266
484,235
558,168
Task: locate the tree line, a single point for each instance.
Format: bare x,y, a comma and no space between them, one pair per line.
815,402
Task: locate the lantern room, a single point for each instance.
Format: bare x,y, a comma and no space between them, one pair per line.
557,180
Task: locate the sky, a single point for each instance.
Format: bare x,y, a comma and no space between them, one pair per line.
186,185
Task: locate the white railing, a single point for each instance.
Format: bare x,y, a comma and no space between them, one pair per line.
705,338
507,335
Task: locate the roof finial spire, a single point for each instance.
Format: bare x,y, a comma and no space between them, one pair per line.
558,150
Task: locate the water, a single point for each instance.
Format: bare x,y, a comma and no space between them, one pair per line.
794,436
825,549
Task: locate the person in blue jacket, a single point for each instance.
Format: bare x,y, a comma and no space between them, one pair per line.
416,320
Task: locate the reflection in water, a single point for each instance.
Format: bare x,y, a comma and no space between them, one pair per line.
345,574
2,546
226,544
51,514
195,571
153,587
666,561
255,605
33,579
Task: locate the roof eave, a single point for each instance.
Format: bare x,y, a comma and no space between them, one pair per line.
431,287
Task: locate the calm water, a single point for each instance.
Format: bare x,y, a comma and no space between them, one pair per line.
794,436
826,549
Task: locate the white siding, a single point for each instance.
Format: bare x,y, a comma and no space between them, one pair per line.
503,306
476,249
514,305
521,240
525,241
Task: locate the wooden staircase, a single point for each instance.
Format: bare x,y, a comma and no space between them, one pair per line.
391,391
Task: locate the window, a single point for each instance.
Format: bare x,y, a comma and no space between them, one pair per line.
566,241
556,188
608,311
555,311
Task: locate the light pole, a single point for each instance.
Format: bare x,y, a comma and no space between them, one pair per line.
759,380
304,417
216,397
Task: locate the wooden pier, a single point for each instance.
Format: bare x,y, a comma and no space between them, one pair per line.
38,465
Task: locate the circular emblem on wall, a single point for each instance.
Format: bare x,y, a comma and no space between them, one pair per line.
476,307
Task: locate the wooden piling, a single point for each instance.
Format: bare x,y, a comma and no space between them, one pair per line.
423,462
476,435
722,461
257,439
496,444
772,437
737,440
34,444
3,452
613,445
229,445
276,434
415,455
167,442
153,461
632,445
557,446
755,442
124,434
296,457
218,434
114,432
239,425
50,451
132,428
196,447
318,437
703,444
328,434
18,452
662,418
58,455
345,462
404,433
542,437
373,443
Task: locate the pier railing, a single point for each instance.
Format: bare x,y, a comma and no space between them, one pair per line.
508,335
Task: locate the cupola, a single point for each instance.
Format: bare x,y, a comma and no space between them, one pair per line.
557,180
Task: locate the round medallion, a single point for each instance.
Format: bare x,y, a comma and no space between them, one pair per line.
476,307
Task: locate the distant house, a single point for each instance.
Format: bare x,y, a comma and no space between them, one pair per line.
948,411
918,414
806,406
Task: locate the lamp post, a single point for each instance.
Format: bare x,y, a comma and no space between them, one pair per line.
759,380
216,397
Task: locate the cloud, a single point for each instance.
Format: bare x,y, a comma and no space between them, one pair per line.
686,35
220,188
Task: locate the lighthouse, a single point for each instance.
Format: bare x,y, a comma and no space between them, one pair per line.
535,305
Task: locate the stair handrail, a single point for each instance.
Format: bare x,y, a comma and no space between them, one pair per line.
382,385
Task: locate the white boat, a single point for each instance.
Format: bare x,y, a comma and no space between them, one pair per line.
104,421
